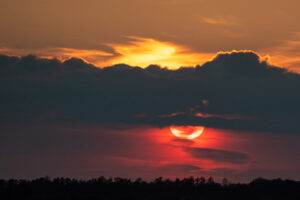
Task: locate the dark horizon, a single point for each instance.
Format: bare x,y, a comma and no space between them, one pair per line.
121,188
162,88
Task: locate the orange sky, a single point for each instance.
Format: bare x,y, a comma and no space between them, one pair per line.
170,33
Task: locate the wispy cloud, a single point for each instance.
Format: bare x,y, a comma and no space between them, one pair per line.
217,155
225,21
88,55
286,54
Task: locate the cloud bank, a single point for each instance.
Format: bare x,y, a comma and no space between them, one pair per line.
252,94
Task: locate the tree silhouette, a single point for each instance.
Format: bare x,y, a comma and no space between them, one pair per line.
123,188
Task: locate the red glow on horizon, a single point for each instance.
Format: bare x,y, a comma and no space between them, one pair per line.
157,152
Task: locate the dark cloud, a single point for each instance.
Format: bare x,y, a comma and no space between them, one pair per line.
182,142
245,64
234,84
217,155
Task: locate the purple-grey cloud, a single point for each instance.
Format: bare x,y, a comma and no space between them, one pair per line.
217,155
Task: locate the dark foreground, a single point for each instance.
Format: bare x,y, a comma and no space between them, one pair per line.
119,188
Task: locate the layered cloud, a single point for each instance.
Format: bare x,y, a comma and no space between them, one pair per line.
231,21
236,90
287,53
218,155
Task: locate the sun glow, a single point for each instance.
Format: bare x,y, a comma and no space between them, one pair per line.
145,51
137,51
142,52
187,132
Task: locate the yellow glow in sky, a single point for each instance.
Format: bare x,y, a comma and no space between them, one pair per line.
142,52
137,52
145,51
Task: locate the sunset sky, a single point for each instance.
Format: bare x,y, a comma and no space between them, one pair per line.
137,88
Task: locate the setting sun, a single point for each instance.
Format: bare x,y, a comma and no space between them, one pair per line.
187,132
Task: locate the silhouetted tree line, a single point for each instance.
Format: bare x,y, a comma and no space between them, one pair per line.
122,188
